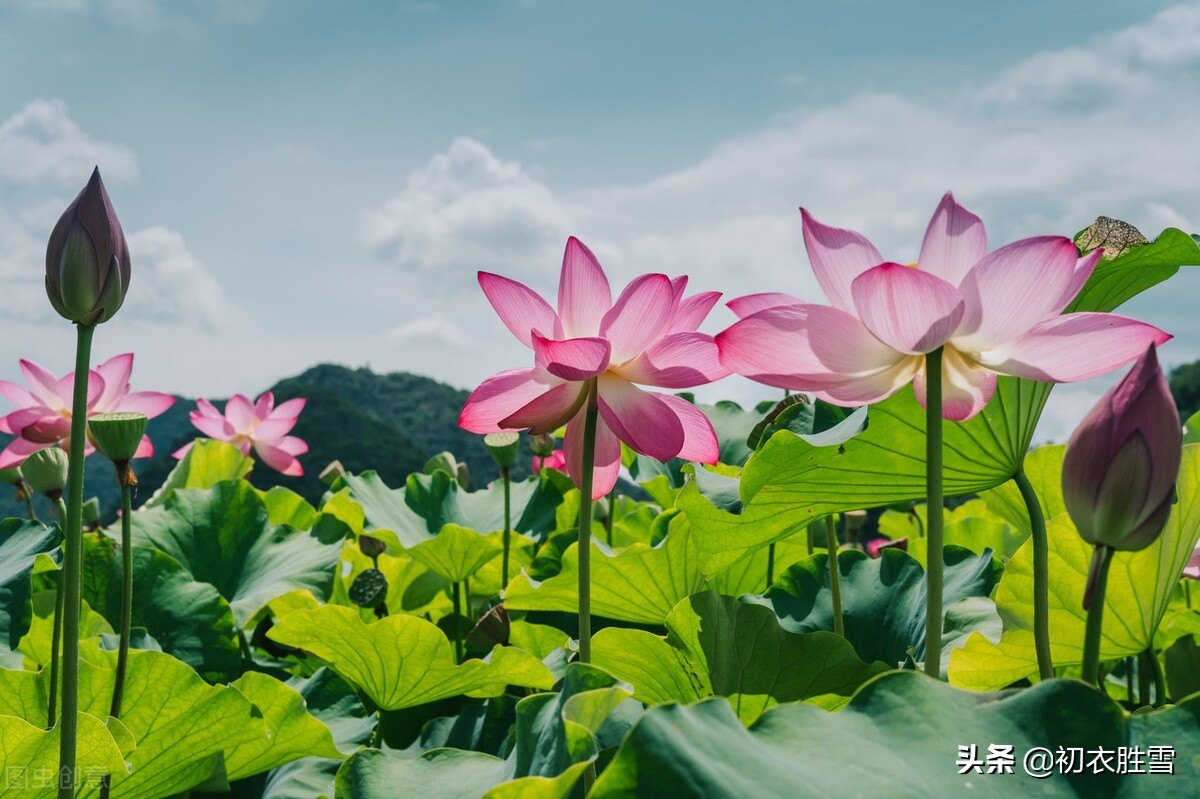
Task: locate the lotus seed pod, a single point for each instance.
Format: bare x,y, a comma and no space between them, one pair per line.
369,588
117,435
503,448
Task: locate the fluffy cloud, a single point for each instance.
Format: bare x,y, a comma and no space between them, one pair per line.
42,146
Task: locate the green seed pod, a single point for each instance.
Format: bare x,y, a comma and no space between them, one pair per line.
46,471
117,435
10,476
369,588
503,448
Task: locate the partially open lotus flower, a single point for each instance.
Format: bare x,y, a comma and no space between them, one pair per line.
87,259
1122,461
259,425
992,313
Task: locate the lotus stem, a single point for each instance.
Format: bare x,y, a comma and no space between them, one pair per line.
585,522
811,536
126,587
24,492
1093,602
835,576
1160,685
608,520
55,654
456,594
73,568
505,475
770,566
934,507
1041,575
1187,594
1129,680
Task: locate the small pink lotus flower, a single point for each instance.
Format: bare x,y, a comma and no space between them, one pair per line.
259,425
648,336
43,415
1120,467
997,313
1192,569
555,460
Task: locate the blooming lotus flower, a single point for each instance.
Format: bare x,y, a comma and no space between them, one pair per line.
259,425
648,336
993,313
555,460
43,415
1119,471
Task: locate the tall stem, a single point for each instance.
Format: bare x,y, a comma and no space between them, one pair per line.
934,503
1101,559
504,475
835,575
1129,680
126,590
27,495
608,520
55,647
588,467
1041,575
73,569
458,630
1160,684
770,566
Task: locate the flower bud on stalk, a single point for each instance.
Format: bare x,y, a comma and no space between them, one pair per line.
118,436
45,472
87,259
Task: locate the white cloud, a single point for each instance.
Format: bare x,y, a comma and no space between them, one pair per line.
42,145
430,330
171,286
142,16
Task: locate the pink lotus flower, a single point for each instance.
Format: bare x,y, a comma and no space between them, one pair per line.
648,336
994,313
1192,569
43,415
555,460
259,425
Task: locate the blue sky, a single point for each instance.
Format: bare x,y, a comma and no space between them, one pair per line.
310,181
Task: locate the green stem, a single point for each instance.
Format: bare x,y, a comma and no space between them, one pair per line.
504,475
55,647
126,593
934,507
835,575
468,608
1187,593
27,495
73,569
588,467
1098,576
770,566
1160,685
811,537
1041,574
608,520
1129,680
458,631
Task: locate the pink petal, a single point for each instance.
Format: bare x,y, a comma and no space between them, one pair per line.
583,292
37,415
1083,270
145,449
699,439
519,307
273,429
289,410
1014,288
871,388
292,445
66,389
502,395
572,359
965,390
1073,347
639,316
42,385
753,303
151,403
692,312
1192,569
954,242
548,411
240,413
206,408
677,360
213,427
279,460
179,453
804,348
910,310
44,429
264,405
17,451
640,418
837,256
16,395
115,374
607,457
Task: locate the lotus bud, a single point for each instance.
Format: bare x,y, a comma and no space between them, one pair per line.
46,471
1121,463
503,448
11,476
87,259
371,547
117,435
542,446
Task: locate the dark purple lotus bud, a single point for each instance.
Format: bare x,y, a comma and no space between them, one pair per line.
1122,461
87,260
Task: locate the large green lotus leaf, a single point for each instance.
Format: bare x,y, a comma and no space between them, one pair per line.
640,583
189,619
749,574
38,642
292,732
29,756
1118,279
972,525
205,464
1043,467
223,537
1181,662
20,543
907,730
883,599
404,661
445,774
456,553
406,517
717,645
285,506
